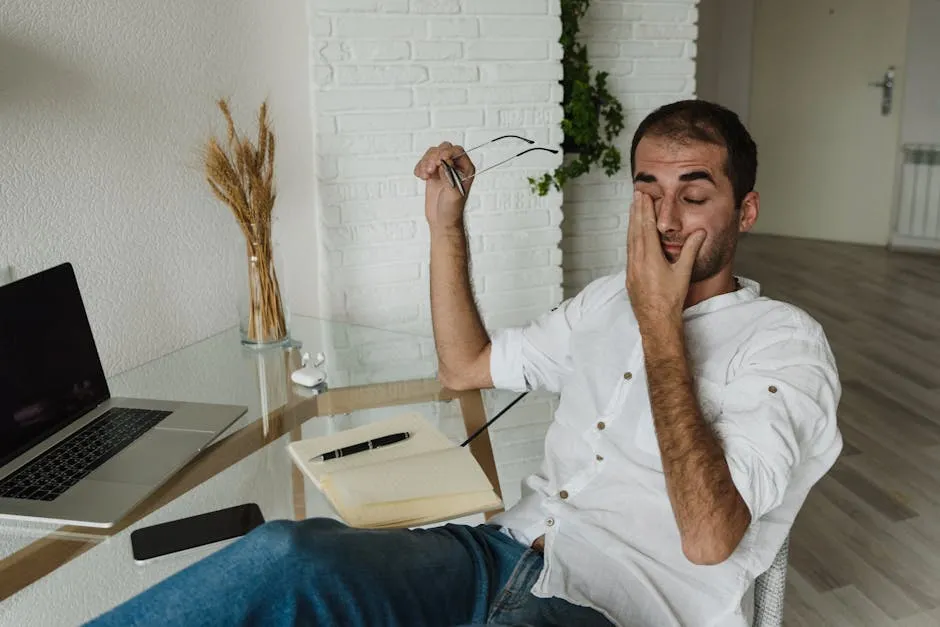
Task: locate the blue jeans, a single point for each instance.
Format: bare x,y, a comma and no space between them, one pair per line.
321,572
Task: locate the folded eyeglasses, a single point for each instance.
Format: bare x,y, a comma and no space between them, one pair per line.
456,180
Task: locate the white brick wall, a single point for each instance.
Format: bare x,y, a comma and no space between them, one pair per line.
649,49
392,77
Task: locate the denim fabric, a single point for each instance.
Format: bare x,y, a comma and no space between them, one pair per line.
515,606
321,572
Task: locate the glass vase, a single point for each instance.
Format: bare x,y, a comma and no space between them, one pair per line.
263,316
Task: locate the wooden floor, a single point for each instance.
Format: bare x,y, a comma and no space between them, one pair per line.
866,546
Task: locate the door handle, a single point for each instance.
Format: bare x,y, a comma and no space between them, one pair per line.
887,90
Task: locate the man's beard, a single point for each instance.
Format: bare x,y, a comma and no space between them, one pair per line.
712,256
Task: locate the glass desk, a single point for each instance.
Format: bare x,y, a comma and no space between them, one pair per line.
65,575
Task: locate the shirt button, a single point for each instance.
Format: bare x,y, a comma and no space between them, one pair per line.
599,458
772,389
627,376
563,494
550,522
601,425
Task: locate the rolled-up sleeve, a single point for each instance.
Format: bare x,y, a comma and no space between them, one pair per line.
538,355
778,412
535,356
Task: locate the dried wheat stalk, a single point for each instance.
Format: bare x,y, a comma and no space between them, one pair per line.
241,175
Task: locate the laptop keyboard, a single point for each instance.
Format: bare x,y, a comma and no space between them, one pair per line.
73,459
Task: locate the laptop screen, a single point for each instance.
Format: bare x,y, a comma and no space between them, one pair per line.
50,373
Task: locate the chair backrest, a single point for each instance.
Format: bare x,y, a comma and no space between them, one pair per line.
769,589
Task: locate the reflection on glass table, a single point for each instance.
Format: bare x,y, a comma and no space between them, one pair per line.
372,374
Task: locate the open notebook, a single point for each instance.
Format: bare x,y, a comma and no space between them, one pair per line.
421,480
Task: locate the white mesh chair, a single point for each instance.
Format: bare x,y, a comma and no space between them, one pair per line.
769,589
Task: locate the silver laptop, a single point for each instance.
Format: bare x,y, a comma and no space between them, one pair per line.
69,453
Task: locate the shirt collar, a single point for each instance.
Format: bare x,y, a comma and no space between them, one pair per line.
749,290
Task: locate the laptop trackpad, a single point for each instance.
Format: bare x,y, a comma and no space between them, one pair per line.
152,457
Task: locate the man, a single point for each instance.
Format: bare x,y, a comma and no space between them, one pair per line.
694,417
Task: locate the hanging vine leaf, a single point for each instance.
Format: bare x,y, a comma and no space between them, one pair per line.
593,117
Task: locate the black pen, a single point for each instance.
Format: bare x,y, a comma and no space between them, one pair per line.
385,440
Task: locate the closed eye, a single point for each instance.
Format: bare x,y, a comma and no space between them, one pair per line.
695,201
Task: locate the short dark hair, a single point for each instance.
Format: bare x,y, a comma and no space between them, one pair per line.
700,120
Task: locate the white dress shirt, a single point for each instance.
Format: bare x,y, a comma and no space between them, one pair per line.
765,379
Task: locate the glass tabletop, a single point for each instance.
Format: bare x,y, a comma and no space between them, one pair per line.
66,574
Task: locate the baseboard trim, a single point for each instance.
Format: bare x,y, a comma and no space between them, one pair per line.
907,242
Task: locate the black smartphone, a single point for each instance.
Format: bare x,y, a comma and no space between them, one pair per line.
174,536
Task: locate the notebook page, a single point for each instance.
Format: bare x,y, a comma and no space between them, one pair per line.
421,511
424,437
428,475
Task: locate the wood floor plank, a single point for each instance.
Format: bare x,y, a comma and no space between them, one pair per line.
905,568
916,552
857,610
840,554
855,365
871,493
923,430
927,619
849,449
865,549
908,487
812,565
802,603
909,482
926,527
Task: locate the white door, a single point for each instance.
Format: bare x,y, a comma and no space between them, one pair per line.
826,153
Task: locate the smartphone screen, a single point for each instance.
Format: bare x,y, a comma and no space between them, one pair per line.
188,533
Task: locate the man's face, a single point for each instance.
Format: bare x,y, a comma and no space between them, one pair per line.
690,192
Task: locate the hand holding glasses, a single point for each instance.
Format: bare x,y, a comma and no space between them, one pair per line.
456,179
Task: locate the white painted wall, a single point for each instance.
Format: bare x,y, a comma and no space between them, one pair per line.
920,113
104,106
102,121
648,48
723,64
708,49
392,78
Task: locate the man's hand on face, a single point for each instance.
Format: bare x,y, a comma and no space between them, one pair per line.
443,203
657,288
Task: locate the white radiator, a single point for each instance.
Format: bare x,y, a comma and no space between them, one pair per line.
917,223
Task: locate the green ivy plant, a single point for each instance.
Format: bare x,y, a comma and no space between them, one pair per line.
593,116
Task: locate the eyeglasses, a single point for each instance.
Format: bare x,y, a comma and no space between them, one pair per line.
457,181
